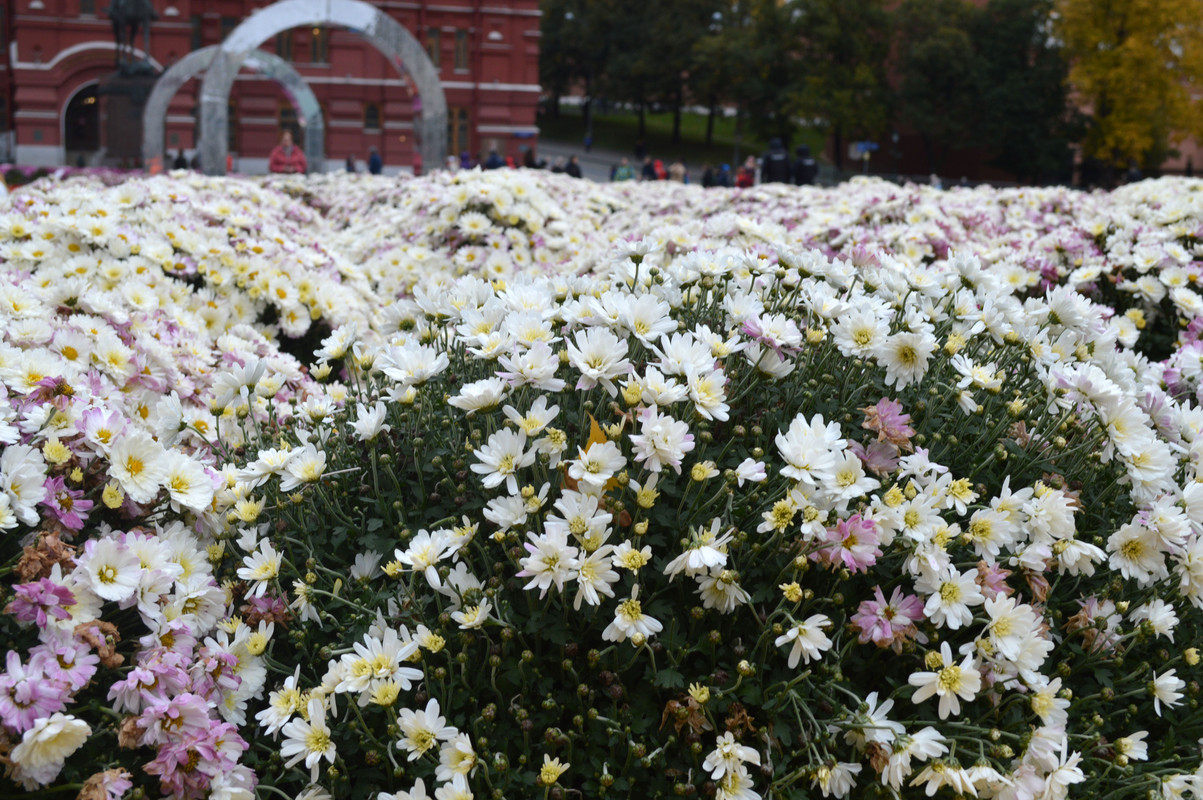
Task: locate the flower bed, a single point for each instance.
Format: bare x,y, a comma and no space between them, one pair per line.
750,494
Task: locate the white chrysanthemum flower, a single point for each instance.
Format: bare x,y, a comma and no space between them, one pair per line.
456,757
308,740
282,704
904,357
835,779
261,568
534,420
729,755
44,748
471,617
423,729
595,466
113,571
949,682
662,441
138,465
369,421
708,393
551,561
950,594
706,550
501,457
425,551
600,357
807,639
629,621
480,395
809,450
23,479
304,467
1165,689
187,482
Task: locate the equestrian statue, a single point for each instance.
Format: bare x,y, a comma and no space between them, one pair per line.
127,18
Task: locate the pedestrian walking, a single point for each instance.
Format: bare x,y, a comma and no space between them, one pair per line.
375,163
624,171
774,164
806,169
745,176
573,170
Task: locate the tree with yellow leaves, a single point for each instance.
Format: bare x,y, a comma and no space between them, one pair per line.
1136,66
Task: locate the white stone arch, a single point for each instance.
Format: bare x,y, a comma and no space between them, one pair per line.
386,35
154,116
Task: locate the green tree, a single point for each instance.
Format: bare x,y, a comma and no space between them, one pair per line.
1134,66
1025,119
844,44
937,64
752,59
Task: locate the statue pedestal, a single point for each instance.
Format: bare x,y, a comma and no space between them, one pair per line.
123,97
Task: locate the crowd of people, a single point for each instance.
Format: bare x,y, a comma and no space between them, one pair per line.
774,166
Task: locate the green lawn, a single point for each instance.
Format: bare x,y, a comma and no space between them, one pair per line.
619,131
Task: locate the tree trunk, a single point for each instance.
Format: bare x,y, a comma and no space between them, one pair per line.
837,137
677,119
642,116
587,108
710,121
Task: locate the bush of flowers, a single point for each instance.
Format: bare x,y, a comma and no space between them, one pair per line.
687,508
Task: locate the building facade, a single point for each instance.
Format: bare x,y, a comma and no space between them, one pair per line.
57,54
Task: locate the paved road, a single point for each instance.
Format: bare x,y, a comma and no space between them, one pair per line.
595,165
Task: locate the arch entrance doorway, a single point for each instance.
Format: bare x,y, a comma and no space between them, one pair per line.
309,112
81,127
385,33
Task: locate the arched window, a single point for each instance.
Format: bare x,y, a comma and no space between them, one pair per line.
319,45
284,45
434,45
461,50
371,117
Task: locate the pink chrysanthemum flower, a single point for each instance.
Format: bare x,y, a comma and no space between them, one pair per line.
68,506
889,624
36,602
852,543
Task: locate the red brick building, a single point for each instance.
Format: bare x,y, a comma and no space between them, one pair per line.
57,52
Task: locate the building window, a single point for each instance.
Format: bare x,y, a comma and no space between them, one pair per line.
228,24
87,8
433,45
319,45
371,117
458,130
461,50
284,45
287,116
4,126
198,32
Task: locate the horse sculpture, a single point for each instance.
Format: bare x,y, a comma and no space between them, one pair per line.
127,17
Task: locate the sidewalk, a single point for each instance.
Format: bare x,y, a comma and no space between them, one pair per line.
595,165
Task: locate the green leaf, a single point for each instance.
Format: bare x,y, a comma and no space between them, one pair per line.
669,679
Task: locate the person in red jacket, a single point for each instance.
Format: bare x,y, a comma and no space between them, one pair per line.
287,157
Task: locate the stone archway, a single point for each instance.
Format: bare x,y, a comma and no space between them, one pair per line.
384,32
267,64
